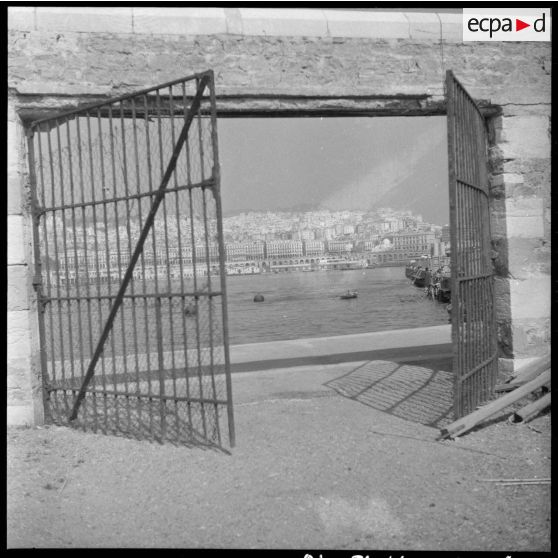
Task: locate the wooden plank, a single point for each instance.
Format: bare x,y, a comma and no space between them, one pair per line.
525,414
525,374
531,370
462,425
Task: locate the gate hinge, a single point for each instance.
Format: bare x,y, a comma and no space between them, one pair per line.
38,212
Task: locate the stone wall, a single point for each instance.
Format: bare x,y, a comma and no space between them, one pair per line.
64,57
23,381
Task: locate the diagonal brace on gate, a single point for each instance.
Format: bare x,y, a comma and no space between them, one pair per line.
194,106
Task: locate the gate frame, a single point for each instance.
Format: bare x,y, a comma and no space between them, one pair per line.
270,106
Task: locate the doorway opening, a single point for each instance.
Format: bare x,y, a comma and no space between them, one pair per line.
473,331
317,207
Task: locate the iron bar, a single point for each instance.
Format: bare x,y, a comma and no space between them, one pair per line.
188,181
86,257
74,237
140,395
179,241
139,295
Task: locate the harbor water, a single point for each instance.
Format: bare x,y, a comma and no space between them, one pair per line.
299,304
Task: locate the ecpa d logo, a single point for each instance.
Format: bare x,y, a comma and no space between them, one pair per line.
500,24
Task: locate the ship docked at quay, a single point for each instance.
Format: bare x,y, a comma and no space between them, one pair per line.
433,274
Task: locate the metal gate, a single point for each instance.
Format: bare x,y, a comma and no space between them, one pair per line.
475,361
129,260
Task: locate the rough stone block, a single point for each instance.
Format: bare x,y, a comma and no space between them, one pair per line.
20,390
502,298
424,25
21,18
20,415
525,217
452,27
16,251
18,382
18,294
525,137
13,179
505,369
531,337
530,298
180,21
528,257
288,23
372,25
234,21
506,178
14,194
18,337
81,19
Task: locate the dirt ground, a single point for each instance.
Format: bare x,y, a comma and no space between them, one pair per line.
311,469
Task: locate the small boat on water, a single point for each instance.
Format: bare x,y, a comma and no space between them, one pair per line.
349,294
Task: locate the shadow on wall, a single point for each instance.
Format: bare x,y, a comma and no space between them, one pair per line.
422,394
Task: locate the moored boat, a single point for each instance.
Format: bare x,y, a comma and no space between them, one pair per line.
349,294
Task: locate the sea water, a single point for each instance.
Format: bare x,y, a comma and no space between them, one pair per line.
299,304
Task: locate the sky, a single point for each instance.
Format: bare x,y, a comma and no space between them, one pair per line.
335,163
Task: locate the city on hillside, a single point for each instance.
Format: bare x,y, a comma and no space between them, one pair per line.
254,242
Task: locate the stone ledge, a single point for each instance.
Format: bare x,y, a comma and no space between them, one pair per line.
377,25
179,21
89,20
21,18
243,21
424,25
277,22
452,27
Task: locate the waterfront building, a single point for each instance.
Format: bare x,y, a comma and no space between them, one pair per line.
202,252
414,241
235,251
339,246
283,248
314,248
306,234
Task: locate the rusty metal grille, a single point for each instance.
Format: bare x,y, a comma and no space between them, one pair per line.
473,310
130,266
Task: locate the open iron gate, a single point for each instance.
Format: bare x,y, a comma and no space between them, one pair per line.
475,361
130,272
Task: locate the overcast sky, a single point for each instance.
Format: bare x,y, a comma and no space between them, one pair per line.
335,163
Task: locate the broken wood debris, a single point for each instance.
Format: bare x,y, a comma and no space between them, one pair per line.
526,374
521,483
525,414
518,481
464,424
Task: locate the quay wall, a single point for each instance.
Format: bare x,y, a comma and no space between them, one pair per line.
270,60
